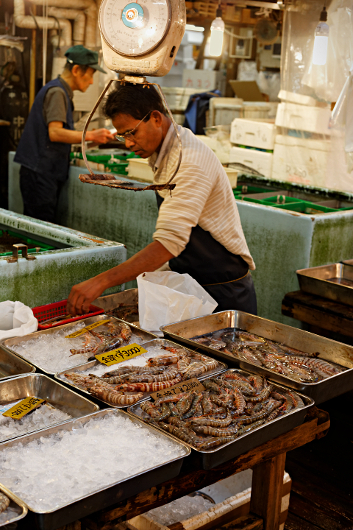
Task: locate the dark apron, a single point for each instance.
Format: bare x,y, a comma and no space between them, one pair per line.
225,276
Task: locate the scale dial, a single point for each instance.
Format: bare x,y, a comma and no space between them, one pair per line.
134,28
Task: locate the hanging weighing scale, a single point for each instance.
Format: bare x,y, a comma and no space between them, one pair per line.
138,39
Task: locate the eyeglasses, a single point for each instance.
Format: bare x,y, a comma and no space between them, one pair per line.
130,134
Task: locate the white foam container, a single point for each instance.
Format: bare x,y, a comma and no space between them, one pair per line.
256,110
300,160
254,133
222,111
139,168
178,97
258,160
303,118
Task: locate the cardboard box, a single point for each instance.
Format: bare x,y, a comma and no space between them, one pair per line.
260,134
253,159
246,90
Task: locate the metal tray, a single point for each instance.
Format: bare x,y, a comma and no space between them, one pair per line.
245,442
15,504
321,281
347,262
111,301
111,494
43,387
330,350
8,343
155,342
12,366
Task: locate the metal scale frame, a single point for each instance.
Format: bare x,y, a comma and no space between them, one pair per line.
139,39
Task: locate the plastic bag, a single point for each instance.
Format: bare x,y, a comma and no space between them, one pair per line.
166,297
16,320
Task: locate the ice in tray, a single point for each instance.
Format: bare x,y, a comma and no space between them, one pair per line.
55,351
82,460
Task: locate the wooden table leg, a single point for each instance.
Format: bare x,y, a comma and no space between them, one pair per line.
266,494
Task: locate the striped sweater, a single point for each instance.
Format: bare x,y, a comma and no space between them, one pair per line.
203,196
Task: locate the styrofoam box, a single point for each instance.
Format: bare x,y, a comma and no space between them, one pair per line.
256,110
139,168
300,160
235,506
205,79
303,118
292,97
254,133
224,110
258,160
178,97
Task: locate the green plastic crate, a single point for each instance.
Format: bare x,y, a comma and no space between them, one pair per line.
309,208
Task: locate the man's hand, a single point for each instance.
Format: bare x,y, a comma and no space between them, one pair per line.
82,295
99,136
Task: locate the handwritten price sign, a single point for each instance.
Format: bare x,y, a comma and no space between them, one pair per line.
191,385
120,354
23,407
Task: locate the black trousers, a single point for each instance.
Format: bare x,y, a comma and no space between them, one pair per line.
238,296
40,194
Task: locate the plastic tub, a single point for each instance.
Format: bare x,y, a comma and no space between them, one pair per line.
46,312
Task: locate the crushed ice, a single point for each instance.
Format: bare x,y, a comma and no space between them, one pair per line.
40,418
88,458
51,351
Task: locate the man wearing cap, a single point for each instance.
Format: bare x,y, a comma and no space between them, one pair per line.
45,144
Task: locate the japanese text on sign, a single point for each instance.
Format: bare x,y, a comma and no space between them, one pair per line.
191,385
120,354
23,407
87,328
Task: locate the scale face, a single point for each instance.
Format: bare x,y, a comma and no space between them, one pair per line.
134,29
141,36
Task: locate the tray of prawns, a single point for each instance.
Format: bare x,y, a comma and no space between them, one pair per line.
162,365
237,411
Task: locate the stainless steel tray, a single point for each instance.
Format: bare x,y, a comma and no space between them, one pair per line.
43,387
155,342
347,262
11,365
111,301
15,504
330,350
9,343
245,442
111,494
324,281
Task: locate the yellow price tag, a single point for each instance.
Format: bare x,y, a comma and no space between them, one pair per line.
23,407
120,354
87,328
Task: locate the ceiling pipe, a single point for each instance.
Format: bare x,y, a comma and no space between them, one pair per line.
26,21
72,14
90,10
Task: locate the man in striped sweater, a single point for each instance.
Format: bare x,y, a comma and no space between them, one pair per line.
198,229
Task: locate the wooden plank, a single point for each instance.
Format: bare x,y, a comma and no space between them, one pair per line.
197,478
249,522
320,312
266,494
316,515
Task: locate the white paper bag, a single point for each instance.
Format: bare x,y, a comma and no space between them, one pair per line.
166,297
16,320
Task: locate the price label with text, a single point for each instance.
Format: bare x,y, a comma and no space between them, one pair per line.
23,407
191,385
120,354
87,328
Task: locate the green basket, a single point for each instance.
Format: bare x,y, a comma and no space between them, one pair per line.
309,208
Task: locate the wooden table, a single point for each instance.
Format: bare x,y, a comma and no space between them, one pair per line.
267,462
322,316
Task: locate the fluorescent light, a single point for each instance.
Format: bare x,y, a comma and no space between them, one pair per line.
321,40
217,33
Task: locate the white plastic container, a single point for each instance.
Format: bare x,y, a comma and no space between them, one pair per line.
258,160
303,118
138,168
222,111
260,134
300,160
